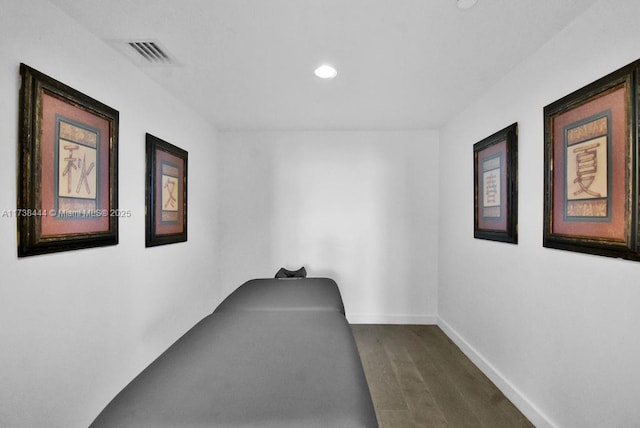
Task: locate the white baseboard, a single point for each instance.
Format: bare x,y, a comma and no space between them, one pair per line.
534,415
360,318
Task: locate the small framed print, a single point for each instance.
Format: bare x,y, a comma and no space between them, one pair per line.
166,193
495,172
67,168
590,184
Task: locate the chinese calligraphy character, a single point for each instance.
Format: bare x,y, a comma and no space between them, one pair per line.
170,186
71,163
586,169
84,173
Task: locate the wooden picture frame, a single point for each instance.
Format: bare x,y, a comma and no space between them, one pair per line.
67,168
495,183
166,193
590,167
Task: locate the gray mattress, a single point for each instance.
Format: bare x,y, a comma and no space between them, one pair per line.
252,368
309,294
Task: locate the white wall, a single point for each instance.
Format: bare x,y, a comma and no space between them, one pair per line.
559,331
75,327
360,207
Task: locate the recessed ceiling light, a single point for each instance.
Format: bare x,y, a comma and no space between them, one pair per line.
325,72
466,4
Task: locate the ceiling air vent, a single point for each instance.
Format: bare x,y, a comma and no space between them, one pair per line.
151,52
145,52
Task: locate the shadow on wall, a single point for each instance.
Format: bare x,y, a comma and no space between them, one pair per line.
245,191
340,207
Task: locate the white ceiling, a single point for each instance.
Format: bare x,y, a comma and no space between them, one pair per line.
402,64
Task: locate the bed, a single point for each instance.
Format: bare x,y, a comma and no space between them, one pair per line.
268,356
291,294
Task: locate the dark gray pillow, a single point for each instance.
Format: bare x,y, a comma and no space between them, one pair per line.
285,273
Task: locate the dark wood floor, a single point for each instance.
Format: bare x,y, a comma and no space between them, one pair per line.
419,378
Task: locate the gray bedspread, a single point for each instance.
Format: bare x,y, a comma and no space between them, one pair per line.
308,294
252,368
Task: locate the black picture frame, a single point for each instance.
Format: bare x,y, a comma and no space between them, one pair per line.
495,183
166,193
590,168
67,168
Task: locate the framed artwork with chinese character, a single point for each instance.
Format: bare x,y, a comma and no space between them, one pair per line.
495,172
166,193
590,189
67,168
